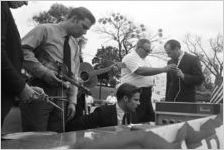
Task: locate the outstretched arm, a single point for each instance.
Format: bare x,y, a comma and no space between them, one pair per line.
106,69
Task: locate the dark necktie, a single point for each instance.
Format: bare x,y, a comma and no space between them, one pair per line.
175,61
126,119
67,55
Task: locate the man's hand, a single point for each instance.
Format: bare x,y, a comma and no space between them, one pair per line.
180,73
120,65
71,111
51,78
80,81
170,67
31,93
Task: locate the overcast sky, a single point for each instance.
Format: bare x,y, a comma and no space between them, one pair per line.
176,18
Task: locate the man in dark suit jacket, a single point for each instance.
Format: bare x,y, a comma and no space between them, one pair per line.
13,83
110,115
181,82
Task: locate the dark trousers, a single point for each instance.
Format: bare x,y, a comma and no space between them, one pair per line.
80,111
80,107
145,112
43,116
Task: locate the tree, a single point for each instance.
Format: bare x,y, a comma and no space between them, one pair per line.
119,29
55,14
208,81
212,58
125,33
105,57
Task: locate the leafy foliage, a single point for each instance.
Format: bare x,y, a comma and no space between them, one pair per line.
117,28
55,14
105,57
121,30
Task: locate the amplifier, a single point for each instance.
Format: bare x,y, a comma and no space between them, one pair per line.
175,112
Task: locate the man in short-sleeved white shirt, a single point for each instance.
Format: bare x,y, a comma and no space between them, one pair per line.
139,72
111,99
89,102
133,61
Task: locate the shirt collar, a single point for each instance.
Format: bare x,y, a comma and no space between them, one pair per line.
135,53
120,112
181,55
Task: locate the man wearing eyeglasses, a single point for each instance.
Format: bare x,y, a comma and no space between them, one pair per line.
43,47
138,72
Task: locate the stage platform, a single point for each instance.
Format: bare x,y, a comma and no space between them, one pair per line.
205,132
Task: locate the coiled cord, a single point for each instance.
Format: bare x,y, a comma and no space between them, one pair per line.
179,89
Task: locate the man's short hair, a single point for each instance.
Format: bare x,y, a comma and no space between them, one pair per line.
126,90
141,42
173,44
81,13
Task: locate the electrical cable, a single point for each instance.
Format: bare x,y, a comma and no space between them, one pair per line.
179,89
179,85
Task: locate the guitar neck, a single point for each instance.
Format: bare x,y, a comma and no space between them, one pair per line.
103,70
72,81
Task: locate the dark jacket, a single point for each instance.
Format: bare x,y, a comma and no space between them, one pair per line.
12,82
101,117
191,67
